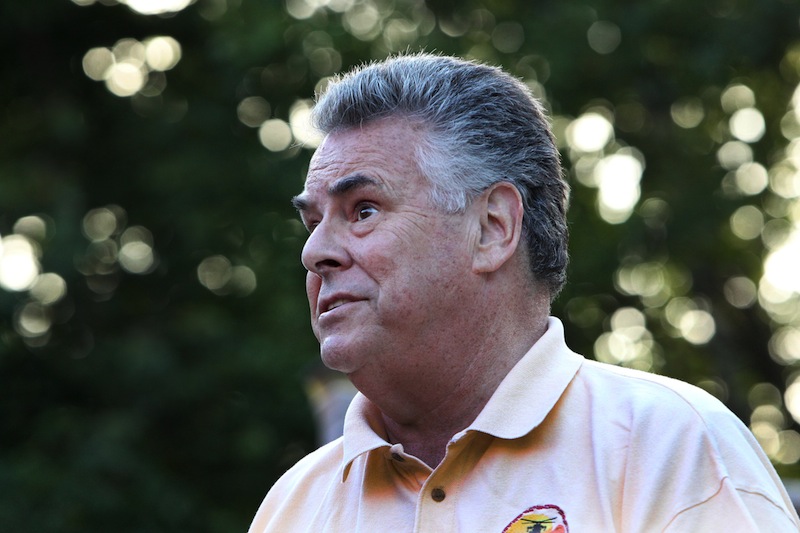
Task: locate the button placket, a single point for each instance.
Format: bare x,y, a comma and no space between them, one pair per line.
436,505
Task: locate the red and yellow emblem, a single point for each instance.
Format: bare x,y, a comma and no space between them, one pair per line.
539,519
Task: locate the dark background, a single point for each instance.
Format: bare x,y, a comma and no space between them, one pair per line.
153,376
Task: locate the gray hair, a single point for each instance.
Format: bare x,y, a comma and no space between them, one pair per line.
483,126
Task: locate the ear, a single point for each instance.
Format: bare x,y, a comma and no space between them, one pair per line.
500,211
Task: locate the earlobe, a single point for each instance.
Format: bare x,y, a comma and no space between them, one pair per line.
500,214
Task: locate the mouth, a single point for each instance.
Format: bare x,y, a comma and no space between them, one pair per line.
335,304
332,304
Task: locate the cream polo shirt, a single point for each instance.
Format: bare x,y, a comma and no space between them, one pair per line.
564,445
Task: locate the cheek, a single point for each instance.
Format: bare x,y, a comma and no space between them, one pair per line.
313,284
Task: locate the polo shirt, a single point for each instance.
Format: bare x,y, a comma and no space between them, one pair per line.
564,445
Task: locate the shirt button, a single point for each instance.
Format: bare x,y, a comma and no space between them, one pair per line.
438,494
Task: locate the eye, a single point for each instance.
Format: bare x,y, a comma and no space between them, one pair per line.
310,225
365,211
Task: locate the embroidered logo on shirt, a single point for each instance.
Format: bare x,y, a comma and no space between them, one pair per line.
539,519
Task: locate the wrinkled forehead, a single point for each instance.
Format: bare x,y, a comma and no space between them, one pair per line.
386,150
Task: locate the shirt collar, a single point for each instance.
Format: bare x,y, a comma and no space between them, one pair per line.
521,402
363,431
531,389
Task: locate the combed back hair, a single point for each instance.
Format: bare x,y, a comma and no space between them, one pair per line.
480,126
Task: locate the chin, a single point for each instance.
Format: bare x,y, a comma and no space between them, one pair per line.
340,358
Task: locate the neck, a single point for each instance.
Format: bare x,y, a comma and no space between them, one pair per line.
426,415
457,370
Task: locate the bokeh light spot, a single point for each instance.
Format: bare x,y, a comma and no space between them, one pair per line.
19,265
156,7
716,387
792,398
781,269
748,125
325,61
132,67
275,135
363,21
136,253
32,320
136,257
751,178
642,279
776,232
767,436
125,78
590,132
33,227
629,343
734,154
764,393
340,6
697,326
789,451
617,177
48,288
300,124
242,281
784,345
784,180
162,53
770,414
217,274
604,37
300,9
689,320
99,224
737,97
214,272
740,292
96,63
399,33
130,50
628,317
213,10
253,111
508,37
747,222
688,112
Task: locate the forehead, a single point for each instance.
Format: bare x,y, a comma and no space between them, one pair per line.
381,154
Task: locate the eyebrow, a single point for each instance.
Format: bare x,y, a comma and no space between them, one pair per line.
338,188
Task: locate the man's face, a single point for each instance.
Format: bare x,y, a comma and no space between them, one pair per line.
387,269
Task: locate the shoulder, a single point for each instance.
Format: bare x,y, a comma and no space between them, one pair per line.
645,394
665,418
681,443
319,465
299,491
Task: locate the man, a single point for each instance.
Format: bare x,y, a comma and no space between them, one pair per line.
436,210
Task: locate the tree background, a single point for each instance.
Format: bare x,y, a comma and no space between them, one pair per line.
154,343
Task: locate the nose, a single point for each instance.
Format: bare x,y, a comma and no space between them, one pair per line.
325,249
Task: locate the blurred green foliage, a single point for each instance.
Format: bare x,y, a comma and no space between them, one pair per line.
167,395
